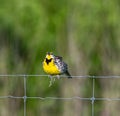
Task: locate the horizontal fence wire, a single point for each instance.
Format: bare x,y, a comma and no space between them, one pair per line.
61,98
32,75
92,99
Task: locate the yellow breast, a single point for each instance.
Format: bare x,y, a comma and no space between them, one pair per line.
51,68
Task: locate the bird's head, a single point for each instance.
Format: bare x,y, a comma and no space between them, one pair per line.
49,57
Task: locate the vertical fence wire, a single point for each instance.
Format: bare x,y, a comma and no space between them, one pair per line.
25,96
93,95
92,99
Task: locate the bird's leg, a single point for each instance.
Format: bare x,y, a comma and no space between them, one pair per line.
50,80
58,76
54,79
50,84
50,77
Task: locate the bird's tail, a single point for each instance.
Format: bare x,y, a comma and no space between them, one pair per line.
68,74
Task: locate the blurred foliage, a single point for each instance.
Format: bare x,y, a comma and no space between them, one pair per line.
86,33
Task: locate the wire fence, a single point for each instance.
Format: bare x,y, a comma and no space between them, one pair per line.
92,99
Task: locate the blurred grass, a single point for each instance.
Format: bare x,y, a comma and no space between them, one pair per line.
85,33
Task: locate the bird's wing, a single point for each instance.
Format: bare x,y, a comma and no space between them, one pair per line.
58,57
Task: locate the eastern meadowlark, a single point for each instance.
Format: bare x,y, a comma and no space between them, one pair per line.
54,65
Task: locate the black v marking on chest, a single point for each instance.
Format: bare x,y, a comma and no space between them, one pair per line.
48,60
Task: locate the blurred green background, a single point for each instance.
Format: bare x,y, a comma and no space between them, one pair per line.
85,32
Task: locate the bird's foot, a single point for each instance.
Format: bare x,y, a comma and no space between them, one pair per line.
52,80
50,84
58,76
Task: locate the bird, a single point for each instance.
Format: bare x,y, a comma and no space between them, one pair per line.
54,65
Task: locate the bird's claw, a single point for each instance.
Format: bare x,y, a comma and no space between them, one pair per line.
52,80
58,76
